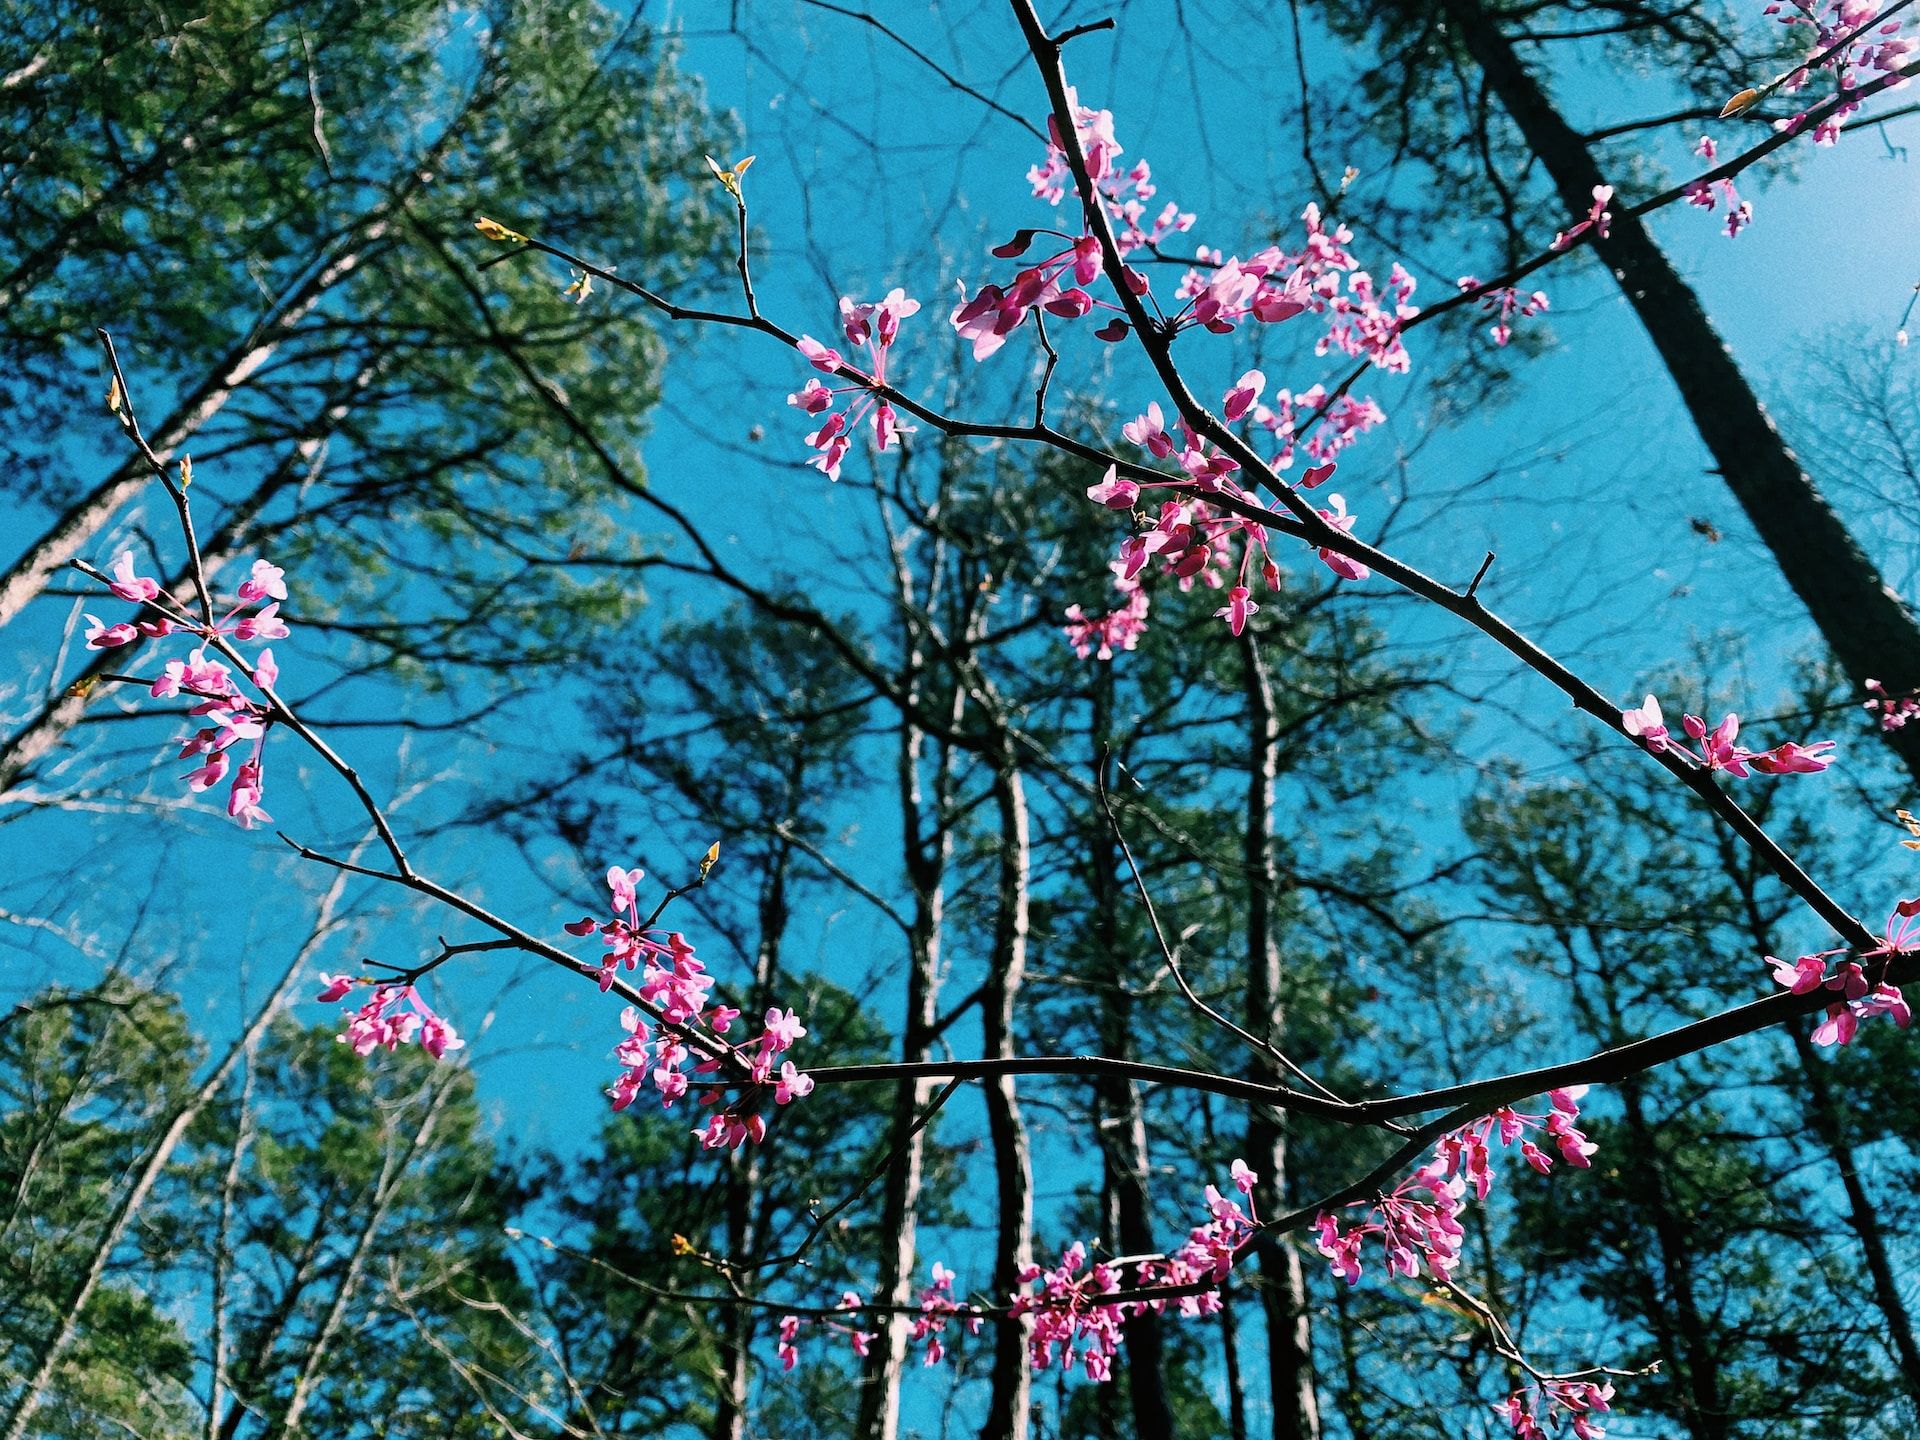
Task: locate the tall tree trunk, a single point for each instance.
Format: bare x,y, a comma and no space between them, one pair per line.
1122,1120
46,1360
1283,1283
1680,1329
1863,620
927,840
743,1164
1009,1398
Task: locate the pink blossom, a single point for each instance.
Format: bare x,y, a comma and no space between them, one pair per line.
1646,724
264,582
243,800
793,1085
783,1029
818,355
102,636
336,988
129,586
621,884
1345,566
813,397
1113,491
264,625
1792,758
1598,218
1150,432
1246,390
1238,607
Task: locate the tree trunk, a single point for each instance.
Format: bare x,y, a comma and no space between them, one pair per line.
927,853
1283,1283
1869,629
1009,1400
743,1164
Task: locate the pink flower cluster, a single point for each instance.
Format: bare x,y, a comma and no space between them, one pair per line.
1717,750
1862,51
791,1325
1067,1309
1210,1249
937,1307
1467,1153
1119,629
1192,539
1858,1000
1708,196
1271,286
1125,193
678,988
1508,300
1418,1224
1577,1400
234,717
392,1016
1323,278
1598,218
1068,1302
1333,424
1891,713
873,328
1056,283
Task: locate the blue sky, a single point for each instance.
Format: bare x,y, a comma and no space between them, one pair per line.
1595,480
1831,251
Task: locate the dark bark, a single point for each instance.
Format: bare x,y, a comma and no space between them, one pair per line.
1009,1397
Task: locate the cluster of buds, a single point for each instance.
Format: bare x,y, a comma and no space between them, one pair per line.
1892,713
1717,750
678,988
791,1326
1067,1308
1855,49
873,328
1578,1401
1508,302
1321,278
1418,1224
1118,629
1598,219
937,1308
1073,1318
1057,282
1467,1152
1710,195
1210,1249
235,720
1859,999
392,1016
